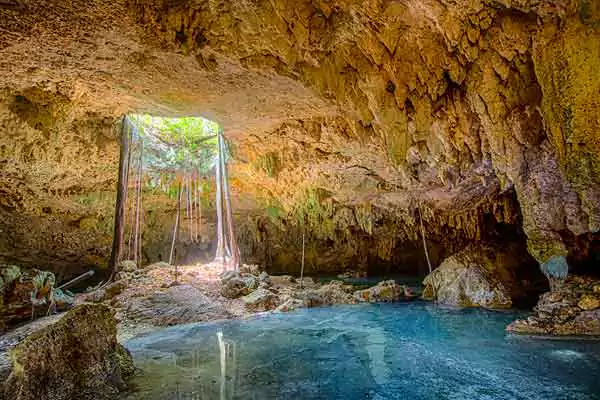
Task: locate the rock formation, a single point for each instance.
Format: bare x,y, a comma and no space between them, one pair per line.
355,118
73,355
479,276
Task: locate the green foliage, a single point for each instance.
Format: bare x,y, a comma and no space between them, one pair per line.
268,163
315,211
173,147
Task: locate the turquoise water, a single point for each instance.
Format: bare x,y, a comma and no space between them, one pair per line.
390,351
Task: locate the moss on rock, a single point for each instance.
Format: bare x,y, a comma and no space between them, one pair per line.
76,357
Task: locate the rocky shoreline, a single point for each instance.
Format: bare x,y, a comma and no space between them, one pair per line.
571,309
156,297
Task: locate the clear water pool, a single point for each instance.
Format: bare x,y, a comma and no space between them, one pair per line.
390,351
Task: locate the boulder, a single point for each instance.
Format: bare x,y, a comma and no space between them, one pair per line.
478,276
385,291
70,356
261,300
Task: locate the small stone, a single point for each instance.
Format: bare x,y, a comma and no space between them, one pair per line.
588,302
555,297
596,289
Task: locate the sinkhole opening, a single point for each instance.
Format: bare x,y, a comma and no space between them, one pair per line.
173,173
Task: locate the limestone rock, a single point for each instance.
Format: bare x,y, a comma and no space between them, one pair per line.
478,276
571,309
176,305
385,291
589,302
233,285
290,304
260,300
74,355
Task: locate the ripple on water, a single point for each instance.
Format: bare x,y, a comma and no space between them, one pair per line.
390,351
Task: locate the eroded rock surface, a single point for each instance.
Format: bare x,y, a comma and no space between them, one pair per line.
478,276
573,308
68,356
363,117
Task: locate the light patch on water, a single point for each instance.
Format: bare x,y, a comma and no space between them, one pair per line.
567,355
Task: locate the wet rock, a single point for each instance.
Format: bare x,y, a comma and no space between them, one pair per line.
70,356
572,309
385,291
261,300
478,276
588,302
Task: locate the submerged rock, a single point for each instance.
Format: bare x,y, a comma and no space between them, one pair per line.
572,308
385,291
70,356
478,276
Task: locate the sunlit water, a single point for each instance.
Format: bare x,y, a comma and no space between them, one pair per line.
392,351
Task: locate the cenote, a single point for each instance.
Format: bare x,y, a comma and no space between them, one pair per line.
299,199
386,351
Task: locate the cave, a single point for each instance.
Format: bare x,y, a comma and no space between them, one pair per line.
273,199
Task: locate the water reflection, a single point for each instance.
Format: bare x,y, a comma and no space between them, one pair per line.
412,351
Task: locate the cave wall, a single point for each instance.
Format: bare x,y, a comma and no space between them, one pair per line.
342,114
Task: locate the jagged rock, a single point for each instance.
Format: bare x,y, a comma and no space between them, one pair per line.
261,300
571,309
588,302
70,356
385,291
233,285
478,276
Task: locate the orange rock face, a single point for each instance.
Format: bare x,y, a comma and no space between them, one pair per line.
357,116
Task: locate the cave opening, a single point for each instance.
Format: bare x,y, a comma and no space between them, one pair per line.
172,176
